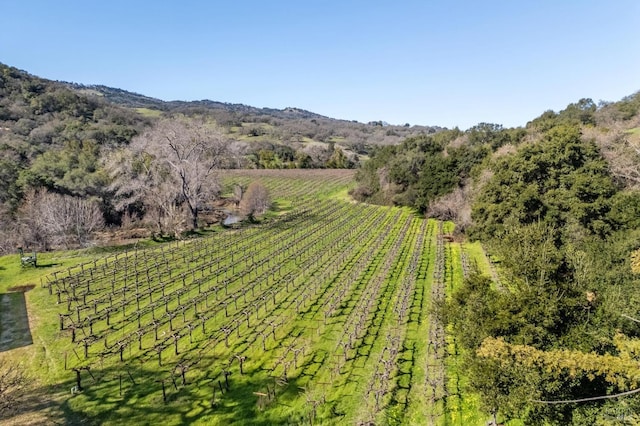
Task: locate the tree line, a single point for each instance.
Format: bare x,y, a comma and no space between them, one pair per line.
68,151
556,205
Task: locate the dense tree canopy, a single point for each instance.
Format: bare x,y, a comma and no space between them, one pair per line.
53,138
556,205
562,231
423,168
562,180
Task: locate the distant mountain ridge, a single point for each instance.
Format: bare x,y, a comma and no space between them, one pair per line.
263,125
135,100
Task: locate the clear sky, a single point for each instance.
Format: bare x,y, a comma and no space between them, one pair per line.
433,62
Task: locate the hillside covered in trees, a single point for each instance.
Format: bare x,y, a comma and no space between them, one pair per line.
556,204
274,138
62,146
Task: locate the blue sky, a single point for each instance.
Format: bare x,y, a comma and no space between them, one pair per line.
447,63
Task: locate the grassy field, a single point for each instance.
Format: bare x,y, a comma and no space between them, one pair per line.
320,314
147,112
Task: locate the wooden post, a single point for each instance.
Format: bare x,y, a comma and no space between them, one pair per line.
78,383
226,378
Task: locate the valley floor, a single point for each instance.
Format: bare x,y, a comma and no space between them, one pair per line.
322,314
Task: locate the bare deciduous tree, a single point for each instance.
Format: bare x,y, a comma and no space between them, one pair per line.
170,165
238,191
139,180
192,150
9,233
256,200
621,150
455,206
61,220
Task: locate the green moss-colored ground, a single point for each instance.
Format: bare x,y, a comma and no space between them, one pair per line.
361,259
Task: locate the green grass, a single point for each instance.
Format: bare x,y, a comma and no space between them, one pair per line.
421,406
478,257
463,408
362,258
148,112
40,360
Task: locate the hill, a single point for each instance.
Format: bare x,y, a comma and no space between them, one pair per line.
56,137
52,137
285,125
135,100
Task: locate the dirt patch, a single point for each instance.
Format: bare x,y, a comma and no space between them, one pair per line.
37,405
22,288
448,238
122,236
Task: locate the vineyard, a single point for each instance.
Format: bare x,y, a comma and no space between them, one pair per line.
321,314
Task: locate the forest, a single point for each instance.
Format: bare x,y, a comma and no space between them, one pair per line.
485,274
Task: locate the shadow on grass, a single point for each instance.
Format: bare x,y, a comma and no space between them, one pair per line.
47,265
133,394
14,321
163,238
279,207
38,265
38,405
